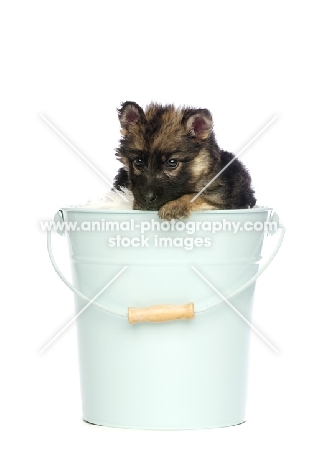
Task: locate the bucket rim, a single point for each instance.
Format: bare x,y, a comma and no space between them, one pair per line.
144,212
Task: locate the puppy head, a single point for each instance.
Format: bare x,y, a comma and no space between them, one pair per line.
166,151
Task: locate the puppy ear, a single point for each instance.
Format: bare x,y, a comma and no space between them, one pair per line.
129,114
199,123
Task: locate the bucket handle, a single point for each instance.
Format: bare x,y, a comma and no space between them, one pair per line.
253,278
203,309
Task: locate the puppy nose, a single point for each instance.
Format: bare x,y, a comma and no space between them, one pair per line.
149,197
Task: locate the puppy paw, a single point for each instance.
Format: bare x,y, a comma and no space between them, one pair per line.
175,209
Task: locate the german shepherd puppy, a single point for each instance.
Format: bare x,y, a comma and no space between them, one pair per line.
170,154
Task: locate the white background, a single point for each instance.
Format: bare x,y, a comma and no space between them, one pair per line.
75,62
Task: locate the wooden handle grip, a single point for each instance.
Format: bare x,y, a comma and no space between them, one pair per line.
161,313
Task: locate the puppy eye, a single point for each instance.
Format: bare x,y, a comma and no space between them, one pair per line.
172,163
138,162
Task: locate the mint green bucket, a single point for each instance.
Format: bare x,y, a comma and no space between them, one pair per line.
175,374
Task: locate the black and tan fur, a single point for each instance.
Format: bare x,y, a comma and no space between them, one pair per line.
169,154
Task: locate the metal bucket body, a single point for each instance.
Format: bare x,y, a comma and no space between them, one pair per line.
182,374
